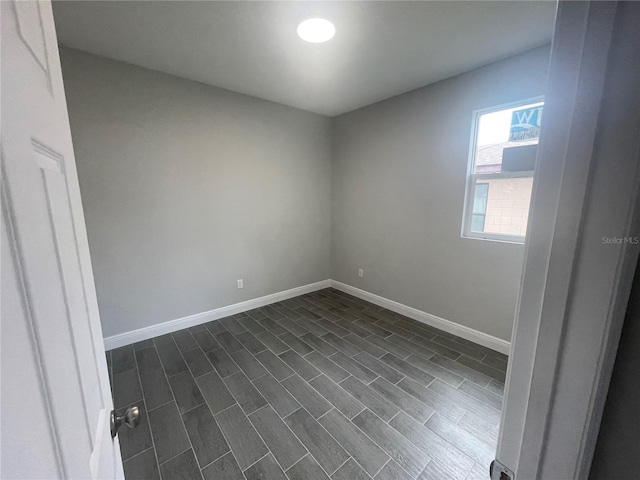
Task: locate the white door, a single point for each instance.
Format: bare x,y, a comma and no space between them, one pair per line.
56,400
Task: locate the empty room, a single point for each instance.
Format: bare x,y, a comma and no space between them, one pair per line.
320,240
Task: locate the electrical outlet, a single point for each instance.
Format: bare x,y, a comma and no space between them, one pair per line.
360,272
240,283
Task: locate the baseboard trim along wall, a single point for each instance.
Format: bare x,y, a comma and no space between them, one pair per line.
171,326
152,331
484,339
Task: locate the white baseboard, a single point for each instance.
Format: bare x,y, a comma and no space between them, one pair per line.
152,331
484,339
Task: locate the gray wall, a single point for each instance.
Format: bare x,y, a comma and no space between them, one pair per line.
617,454
187,188
399,173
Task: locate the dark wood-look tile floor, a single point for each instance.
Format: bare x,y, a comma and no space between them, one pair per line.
320,386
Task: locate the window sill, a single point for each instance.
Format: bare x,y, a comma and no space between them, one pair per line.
500,239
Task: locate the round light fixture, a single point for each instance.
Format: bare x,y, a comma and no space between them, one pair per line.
316,30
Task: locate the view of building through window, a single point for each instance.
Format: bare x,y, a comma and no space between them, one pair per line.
502,175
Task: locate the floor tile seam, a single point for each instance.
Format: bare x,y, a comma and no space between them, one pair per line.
324,429
267,445
178,408
372,441
153,441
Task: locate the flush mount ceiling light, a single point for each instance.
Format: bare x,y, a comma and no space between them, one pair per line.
316,30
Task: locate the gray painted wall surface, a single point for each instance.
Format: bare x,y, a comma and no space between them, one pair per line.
399,173
187,188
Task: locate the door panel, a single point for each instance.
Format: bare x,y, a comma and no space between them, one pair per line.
57,334
32,439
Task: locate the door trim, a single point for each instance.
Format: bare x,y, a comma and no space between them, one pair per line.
575,287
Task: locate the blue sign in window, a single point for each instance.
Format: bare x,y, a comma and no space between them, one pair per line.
525,124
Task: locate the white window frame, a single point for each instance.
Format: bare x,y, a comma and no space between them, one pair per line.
467,214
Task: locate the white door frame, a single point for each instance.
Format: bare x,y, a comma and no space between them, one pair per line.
575,287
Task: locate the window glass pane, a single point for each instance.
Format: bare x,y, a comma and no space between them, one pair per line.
507,205
480,198
477,223
480,193
505,135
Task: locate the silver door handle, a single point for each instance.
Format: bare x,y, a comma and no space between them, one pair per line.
131,418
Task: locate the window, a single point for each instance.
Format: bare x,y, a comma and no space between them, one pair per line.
501,163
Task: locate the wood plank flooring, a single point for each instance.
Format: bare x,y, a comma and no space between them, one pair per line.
320,386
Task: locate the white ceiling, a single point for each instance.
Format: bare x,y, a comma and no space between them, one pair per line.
380,49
